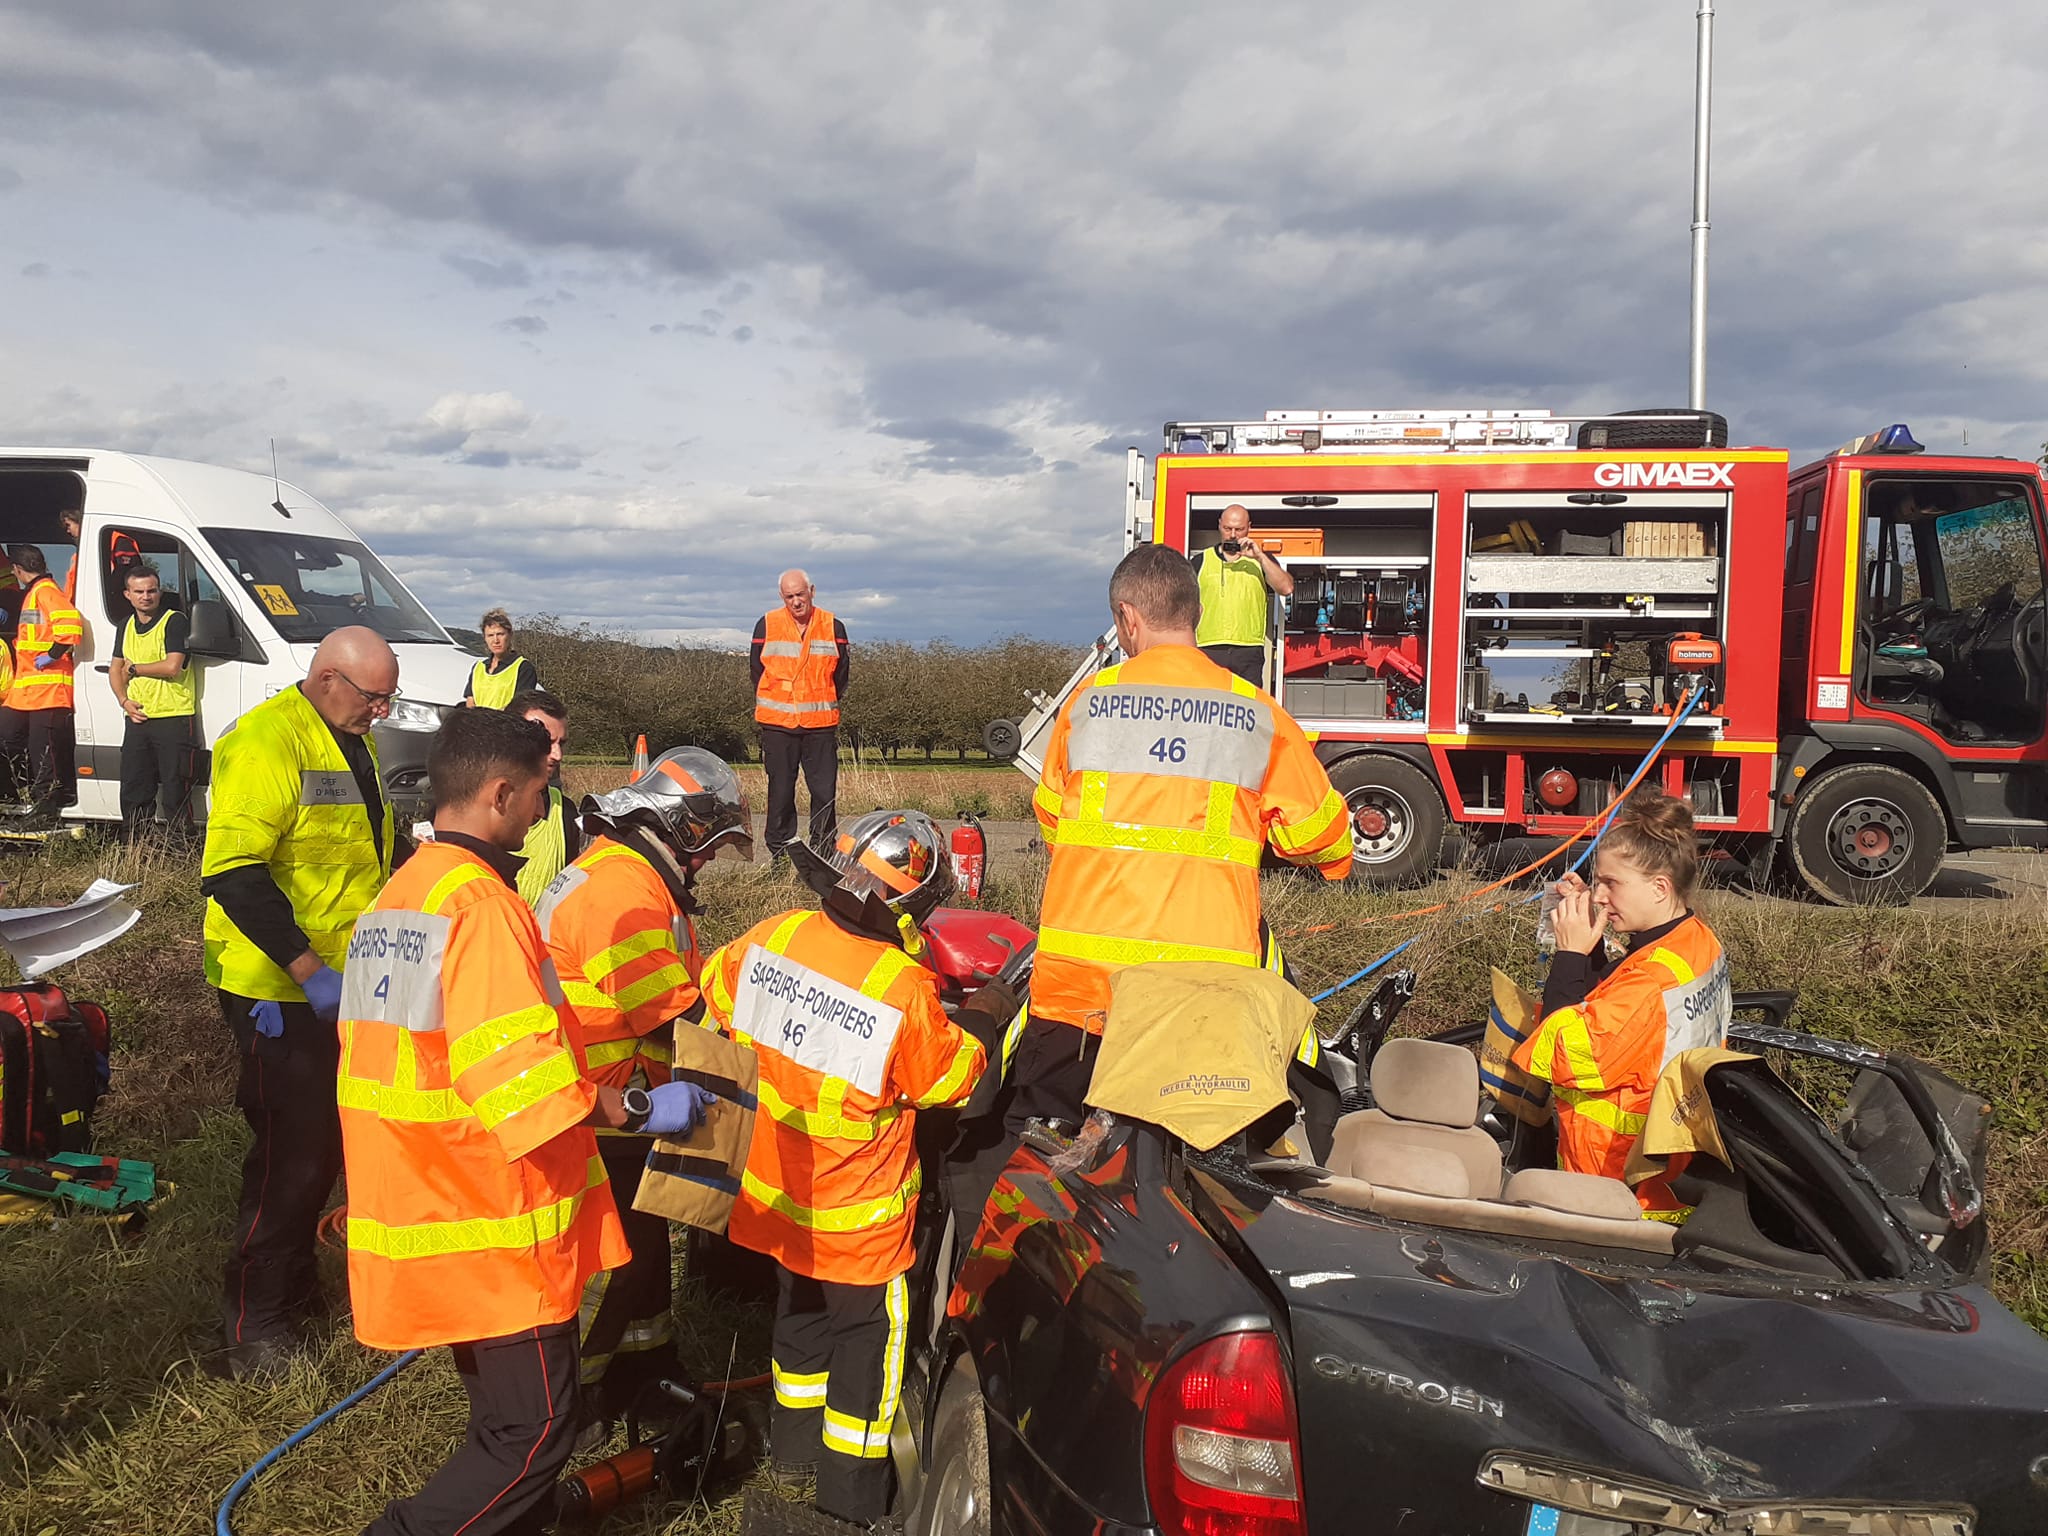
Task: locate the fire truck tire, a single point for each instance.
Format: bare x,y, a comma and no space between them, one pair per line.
1397,819
1659,427
1866,835
1001,738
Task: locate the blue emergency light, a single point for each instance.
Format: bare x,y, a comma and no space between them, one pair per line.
1897,438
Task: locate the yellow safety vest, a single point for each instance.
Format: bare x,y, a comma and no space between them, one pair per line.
494,690
161,698
1234,604
285,797
546,850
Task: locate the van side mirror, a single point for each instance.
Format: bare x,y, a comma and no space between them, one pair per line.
213,631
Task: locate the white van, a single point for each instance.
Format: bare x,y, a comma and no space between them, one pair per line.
262,570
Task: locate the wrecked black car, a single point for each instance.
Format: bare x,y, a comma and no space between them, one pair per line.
1424,1331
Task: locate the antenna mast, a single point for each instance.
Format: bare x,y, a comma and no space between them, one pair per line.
1703,95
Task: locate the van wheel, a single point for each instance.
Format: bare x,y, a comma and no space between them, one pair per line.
1660,427
1397,819
1866,835
956,1498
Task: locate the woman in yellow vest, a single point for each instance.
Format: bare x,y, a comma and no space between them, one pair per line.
502,675
1235,576
154,685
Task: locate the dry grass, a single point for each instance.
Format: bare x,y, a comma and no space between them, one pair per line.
106,1427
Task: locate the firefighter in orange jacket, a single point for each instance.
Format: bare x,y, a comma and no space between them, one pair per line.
38,750
1609,1028
852,1042
1166,779
617,926
477,1203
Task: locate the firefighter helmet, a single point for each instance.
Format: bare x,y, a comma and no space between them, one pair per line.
899,858
689,797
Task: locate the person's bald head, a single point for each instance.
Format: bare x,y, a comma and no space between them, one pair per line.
353,679
797,593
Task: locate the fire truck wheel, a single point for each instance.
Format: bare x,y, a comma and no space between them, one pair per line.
1866,835
1658,427
1001,738
1397,819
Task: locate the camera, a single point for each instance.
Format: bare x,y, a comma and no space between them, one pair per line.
1231,548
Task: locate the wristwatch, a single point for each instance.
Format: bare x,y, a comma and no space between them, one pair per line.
638,1106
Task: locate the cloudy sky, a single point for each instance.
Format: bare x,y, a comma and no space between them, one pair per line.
614,310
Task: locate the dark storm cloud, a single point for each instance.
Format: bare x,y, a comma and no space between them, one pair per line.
964,447
486,273
524,325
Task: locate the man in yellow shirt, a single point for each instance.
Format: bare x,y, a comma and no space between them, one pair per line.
1234,576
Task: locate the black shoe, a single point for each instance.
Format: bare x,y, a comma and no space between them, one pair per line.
251,1360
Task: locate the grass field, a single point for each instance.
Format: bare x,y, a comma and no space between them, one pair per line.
1002,794
107,1429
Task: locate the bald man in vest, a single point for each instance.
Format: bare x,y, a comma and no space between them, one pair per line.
800,662
1234,577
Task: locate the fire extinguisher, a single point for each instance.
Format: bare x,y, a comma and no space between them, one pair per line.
970,856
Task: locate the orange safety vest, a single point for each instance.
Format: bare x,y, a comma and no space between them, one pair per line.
47,620
612,931
1603,1057
795,690
852,1042
1165,780
477,1203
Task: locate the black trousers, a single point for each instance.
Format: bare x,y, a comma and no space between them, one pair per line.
837,1365
1247,661
522,1427
1047,1080
628,1334
39,756
817,753
286,1093
156,769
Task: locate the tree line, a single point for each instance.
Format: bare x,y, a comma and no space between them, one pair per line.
915,699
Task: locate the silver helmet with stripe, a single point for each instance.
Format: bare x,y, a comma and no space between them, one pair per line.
688,797
897,857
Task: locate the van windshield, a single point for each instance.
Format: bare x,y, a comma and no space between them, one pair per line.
311,586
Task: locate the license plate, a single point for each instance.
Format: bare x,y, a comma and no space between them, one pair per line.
1542,1521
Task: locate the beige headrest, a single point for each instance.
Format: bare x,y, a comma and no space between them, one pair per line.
1580,1194
1428,1081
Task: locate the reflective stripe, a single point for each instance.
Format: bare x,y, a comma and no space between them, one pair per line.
485,1040
1341,849
1582,1060
1046,802
477,1234
1113,951
626,951
1125,837
1094,794
651,986
785,707
882,974
781,648
557,1072
798,1389
1600,1110
1012,1035
869,1439
838,1218
416,1106
449,883
829,1119
1292,839
823,648
1675,1217
647,1333
778,941
581,994
607,1053
947,1087
1674,964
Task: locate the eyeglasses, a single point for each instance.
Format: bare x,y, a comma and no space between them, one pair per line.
374,700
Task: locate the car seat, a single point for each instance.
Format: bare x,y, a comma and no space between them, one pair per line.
1423,1135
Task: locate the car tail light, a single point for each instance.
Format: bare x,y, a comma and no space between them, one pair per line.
1222,1444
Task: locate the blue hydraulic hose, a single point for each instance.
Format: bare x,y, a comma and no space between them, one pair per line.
221,1525
1648,758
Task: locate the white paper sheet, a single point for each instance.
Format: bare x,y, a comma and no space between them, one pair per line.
42,938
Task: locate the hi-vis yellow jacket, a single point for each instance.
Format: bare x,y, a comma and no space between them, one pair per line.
285,797
852,1041
1165,780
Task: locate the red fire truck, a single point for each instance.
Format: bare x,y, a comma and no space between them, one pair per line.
1495,613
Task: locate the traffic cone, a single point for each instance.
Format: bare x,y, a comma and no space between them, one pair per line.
639,759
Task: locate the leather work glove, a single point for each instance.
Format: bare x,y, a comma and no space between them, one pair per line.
323,993
45,661
989,1012
676,1109
269,1018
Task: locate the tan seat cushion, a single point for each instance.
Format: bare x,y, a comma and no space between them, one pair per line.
1427,1080
1527,1222
1372,1145
1582,1194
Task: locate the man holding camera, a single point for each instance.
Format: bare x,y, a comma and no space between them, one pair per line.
1234,578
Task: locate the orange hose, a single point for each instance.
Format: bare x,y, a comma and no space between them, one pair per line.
741,1385
332,1228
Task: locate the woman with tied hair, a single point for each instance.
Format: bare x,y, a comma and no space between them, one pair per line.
1609,1026
504,674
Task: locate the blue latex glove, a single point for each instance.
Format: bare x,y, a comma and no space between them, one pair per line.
677,1107
323,993
45,661
269,1018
